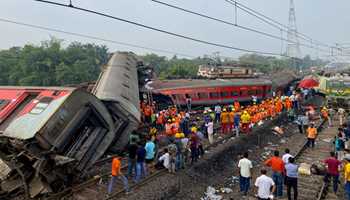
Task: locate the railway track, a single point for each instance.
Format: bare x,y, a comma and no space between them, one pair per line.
312,187
95,188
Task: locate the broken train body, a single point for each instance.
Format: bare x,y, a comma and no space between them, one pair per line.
50,136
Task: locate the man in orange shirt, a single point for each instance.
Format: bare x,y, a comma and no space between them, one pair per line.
117,174
237,106
277,166
311,136
148,112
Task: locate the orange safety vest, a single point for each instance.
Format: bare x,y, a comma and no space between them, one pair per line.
279,106
311,132
288,104
225,118
116,165
160,119
148,110
237,106
174,128
231,116
168,129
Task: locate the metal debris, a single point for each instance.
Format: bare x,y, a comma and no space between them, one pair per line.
4,170
328,140
210,194
226,190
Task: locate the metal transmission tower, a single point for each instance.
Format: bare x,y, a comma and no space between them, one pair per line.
293,47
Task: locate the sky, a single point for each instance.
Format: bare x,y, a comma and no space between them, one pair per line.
323,20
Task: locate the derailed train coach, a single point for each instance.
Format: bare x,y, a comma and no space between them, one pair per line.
50,136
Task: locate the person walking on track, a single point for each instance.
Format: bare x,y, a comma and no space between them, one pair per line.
311,136
117,174
332,171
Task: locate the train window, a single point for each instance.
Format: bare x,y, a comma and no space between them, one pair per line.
235,93
224,94
251,92
187,96
193,96
203,95
41,106
214,95
3,103
243,92
259,92
180,97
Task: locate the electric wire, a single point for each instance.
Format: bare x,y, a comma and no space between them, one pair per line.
233,24
269,20
160,30
93,37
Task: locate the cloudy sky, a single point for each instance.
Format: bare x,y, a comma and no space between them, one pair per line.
323,20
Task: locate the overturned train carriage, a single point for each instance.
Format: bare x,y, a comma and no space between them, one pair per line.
49,134
49,137
118,88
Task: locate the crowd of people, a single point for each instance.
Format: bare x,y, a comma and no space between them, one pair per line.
177,138
285,171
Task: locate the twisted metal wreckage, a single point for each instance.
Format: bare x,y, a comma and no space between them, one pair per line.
50,136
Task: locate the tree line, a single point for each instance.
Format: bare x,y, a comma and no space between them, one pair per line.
49,64
52,64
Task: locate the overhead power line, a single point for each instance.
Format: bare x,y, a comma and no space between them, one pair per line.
234,24
161,30
93,37
273,22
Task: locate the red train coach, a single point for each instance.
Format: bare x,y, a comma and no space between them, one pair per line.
210,92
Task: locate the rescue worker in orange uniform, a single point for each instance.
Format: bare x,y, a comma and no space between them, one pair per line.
168,127
279,106
288,103
174,127
225,120
148,112
160,121
236,105
245,119
325,116
231,116
311,135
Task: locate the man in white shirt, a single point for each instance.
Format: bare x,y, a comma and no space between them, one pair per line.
341,113
210,131
217,110
245,166
286,156
264,184
166,159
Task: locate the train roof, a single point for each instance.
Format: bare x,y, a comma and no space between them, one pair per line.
200,83
23,110
37,88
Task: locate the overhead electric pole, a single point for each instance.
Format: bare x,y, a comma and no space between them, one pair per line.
293,47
